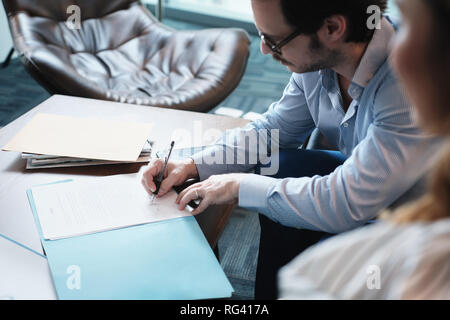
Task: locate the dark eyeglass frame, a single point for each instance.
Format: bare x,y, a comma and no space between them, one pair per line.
276,47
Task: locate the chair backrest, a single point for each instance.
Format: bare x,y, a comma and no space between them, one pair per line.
105,23
45,42
58,9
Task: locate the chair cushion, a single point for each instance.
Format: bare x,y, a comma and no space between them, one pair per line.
122,53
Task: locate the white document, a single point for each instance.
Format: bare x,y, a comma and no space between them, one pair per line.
24,275
99,204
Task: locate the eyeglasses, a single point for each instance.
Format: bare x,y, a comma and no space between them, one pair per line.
276,47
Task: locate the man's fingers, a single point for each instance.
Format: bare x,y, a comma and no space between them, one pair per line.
204,203
150,174
183,192
167,184
146,187
149,185
188,195
197,186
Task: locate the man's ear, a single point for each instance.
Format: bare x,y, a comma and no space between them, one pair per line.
333,30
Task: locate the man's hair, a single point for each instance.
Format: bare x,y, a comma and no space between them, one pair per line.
309,15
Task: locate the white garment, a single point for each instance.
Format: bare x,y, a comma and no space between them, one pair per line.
382,261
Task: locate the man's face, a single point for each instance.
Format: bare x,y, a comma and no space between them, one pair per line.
304,53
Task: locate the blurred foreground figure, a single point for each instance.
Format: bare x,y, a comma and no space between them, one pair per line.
407,254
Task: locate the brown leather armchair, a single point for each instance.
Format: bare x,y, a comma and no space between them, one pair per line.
122,53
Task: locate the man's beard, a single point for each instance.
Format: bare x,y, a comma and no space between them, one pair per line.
278,58
324,58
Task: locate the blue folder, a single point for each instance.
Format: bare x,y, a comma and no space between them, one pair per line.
163,260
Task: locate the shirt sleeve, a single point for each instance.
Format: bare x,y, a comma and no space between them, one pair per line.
320,273
286,124
387,162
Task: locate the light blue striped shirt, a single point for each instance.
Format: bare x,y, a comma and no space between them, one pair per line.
378,135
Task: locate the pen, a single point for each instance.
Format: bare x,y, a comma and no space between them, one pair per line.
161,174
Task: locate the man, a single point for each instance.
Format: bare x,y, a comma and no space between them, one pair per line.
342,84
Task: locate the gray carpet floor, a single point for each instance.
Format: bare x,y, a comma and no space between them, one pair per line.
262,83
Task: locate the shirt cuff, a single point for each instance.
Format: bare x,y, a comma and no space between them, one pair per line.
206,170
253,191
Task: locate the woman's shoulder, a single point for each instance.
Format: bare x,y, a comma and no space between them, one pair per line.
431,277
342,265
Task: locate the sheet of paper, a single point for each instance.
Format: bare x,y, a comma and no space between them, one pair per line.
24,275
89,138
99,204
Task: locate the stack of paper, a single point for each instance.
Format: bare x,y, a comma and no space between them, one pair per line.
50,140
40,161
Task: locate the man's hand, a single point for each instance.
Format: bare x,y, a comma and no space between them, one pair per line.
177,172
220,189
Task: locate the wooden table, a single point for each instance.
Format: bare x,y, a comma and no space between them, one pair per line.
16,219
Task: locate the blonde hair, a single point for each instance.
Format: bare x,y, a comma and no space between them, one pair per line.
435,204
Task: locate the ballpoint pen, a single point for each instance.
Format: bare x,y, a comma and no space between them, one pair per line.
161,174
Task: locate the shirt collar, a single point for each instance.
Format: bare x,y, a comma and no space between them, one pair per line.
375,55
